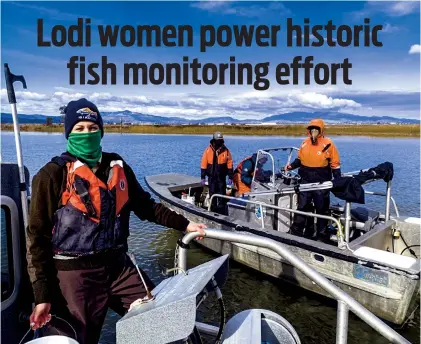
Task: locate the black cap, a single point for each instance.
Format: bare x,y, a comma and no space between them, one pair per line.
81,110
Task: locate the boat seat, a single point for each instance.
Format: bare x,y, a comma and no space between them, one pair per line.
363,214
388,258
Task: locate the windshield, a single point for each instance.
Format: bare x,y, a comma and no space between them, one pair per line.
264,169
271,161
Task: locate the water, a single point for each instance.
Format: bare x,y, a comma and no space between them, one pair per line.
313,317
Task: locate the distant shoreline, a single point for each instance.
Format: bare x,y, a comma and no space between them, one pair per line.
381,130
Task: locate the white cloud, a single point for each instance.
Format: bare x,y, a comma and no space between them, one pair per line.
415,49
241,9
322,101
64,89
388,28
401,8
390,8
25,95
209,5
65,97
245,105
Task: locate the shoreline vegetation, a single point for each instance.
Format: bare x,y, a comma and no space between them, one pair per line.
380,130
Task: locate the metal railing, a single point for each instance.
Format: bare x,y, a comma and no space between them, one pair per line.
345,302
374,193
341,243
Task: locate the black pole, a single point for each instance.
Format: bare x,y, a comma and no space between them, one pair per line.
10,79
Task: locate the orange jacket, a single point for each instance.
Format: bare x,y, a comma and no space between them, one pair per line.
323,153
238,181
216,164
317,160
318,155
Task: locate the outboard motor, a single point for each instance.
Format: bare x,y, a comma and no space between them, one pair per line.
16,291
170,317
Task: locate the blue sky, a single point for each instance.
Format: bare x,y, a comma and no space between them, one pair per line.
386,80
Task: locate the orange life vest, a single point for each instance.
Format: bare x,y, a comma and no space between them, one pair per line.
88,221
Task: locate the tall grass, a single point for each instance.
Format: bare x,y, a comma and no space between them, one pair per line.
409,130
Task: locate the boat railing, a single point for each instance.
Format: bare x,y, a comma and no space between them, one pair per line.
375,193
324,185
345,301
341,243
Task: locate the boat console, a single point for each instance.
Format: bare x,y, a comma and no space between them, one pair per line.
170,317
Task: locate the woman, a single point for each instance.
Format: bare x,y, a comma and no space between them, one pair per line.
78,229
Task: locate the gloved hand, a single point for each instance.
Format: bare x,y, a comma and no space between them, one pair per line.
287,167
229,182
336,173
203,182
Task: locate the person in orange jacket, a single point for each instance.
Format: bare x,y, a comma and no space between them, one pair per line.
244,172
217,165
318,161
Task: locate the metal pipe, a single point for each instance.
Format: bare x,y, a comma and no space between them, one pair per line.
394,205
347,220
342,323
351,173
261,214
298,263
281,148
23,193
353,224
388,192
10,79
341,243
375,193
207,329
262,152
292,190
289,156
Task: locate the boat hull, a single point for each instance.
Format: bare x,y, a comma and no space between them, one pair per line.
388,293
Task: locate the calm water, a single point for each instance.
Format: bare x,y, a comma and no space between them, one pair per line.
313,317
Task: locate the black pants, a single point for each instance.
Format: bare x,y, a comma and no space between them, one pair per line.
321,200
218,186
89,292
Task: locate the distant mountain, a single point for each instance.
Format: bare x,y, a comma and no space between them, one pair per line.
211,120
28,119
335,117
127,116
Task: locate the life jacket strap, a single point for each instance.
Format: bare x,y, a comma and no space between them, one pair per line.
82,191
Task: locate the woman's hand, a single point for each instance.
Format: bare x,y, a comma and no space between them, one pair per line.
40,315
196,227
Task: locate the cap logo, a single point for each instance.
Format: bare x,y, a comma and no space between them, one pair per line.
87,113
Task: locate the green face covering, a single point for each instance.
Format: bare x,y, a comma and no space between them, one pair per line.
85,146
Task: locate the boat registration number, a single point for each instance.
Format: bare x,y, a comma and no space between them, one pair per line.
370,275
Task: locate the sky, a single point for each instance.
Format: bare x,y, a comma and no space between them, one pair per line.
385,80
